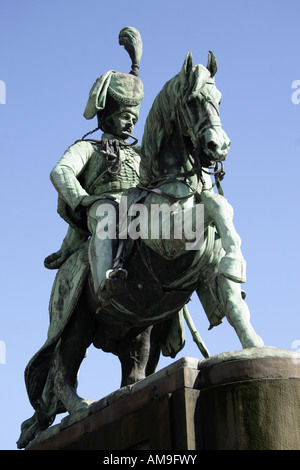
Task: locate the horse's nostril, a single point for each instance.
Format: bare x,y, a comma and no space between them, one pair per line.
212,146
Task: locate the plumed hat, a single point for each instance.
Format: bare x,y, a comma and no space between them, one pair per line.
125,88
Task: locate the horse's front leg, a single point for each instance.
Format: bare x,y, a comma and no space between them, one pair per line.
237,313
221,297
68,356
218,210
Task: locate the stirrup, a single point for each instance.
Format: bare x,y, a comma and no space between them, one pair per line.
119,273
115,282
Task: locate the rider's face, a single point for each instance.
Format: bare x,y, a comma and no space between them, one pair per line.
121,123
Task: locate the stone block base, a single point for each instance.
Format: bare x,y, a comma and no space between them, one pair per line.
245,400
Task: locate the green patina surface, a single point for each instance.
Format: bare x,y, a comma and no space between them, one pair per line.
129,297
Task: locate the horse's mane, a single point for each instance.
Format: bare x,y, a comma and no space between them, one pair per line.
190,82
160,118
159,124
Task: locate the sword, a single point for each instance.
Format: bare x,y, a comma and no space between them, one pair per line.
195,334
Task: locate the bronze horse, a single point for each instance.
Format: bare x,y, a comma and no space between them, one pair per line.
183,138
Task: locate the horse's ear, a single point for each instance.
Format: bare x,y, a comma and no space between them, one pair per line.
212,65
187,72
188,63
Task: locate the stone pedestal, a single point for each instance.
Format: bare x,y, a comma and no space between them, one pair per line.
247,399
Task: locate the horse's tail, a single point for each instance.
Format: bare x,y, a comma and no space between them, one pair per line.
47,407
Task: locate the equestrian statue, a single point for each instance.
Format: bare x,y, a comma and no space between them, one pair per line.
146,229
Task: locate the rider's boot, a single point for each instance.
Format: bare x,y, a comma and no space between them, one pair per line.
115,279
114,283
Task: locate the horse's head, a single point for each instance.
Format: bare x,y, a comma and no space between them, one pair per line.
184,120
198,111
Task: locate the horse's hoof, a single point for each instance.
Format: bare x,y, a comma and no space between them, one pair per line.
82,405
253,341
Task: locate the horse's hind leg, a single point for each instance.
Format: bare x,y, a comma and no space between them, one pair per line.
68,356
134,355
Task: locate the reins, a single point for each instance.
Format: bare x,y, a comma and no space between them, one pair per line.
218,173
197,169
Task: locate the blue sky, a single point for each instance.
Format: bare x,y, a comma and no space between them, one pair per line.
50,54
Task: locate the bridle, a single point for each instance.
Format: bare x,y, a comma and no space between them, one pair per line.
197,168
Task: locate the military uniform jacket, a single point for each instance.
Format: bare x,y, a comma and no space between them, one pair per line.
82,171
